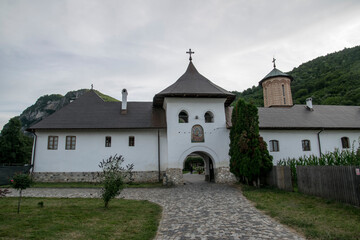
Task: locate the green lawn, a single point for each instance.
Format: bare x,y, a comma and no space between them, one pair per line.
62,218
89,185
315,217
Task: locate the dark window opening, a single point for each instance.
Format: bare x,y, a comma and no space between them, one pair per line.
345,142
183,117
283,90
107,141
209,117
131,141
306,145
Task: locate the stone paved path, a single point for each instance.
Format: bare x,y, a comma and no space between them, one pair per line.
197,210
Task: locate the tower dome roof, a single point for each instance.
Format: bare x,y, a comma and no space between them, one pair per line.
275,73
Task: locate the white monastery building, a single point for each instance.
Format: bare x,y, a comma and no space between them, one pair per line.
192,116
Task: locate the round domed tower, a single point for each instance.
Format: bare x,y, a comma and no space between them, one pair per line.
277,89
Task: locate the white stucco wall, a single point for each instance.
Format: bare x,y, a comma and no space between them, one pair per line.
290,144
90,150
217,141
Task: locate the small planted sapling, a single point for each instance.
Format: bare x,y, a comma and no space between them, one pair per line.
20,182
114,176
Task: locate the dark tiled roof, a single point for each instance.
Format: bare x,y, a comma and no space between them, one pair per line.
275,73
193,84
90,112
299,117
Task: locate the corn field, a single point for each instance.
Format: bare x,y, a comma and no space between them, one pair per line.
336,158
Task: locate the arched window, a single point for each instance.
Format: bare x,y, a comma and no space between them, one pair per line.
345,142
209,117
274,145
183,117
306,145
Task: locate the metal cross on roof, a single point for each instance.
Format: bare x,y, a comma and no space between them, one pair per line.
190,52
274,62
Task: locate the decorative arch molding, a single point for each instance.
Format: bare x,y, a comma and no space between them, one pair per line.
201,149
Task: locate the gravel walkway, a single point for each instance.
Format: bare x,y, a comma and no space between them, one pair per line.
197,210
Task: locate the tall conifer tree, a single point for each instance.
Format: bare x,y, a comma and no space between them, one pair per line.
249,157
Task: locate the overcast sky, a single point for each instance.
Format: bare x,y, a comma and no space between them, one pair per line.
56,46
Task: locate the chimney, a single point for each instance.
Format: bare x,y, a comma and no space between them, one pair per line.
309,105
124,101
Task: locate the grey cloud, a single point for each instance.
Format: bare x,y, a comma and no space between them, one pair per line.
57,46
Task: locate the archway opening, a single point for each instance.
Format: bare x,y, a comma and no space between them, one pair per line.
198,166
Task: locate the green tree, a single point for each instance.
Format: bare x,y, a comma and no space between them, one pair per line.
249,157
15,147
114,175
20,182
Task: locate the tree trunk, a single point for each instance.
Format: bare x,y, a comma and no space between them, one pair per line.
18,210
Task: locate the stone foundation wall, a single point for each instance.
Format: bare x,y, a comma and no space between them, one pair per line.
173,176
223,175
140,176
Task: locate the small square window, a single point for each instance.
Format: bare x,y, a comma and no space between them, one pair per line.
306,145
53,142
70,143
131,141
107,141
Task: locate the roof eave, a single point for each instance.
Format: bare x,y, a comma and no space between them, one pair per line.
98,128
159,98
266,78
309,128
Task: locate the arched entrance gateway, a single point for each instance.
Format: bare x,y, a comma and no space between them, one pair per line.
214,170
202,164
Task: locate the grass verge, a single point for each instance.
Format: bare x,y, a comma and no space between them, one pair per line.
88,185
315,217
61,218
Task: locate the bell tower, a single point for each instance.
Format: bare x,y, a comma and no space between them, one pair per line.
277,89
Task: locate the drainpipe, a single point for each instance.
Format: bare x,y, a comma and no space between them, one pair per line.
318,135
159,155
34,151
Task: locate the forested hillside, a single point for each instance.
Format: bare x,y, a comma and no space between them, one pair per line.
333,79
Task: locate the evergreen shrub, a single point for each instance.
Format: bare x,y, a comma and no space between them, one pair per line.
249,157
